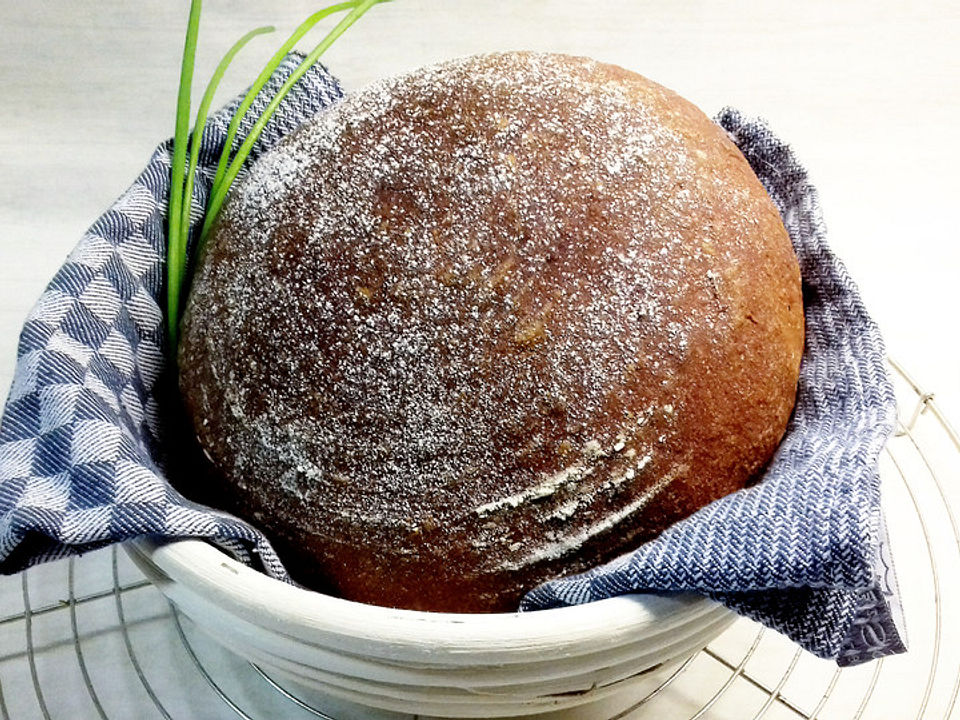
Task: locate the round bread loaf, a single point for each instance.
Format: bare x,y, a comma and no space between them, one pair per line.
487,323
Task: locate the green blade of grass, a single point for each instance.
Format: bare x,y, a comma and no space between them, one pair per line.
261,80
219,194
201,123
176,242
180,226
181,187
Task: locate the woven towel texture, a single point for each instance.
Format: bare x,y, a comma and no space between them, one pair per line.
82,434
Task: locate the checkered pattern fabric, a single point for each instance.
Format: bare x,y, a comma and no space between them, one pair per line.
82,435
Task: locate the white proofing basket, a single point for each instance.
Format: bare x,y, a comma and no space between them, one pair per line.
452,665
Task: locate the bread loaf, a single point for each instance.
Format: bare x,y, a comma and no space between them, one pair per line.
487,323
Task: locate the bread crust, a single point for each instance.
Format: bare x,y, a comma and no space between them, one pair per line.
488,323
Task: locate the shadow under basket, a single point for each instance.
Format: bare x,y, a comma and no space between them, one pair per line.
445,664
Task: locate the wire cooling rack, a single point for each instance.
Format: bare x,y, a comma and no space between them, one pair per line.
90,638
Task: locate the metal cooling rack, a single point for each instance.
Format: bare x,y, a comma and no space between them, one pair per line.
90,638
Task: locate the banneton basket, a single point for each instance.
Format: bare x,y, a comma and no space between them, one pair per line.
446,664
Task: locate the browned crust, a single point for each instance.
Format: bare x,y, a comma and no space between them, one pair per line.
687,402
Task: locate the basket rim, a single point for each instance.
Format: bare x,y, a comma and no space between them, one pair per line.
192,572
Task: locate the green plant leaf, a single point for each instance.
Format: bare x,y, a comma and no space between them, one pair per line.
176,242
219,194
181,189
201,122
264,76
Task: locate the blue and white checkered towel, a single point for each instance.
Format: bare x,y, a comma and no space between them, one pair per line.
82,438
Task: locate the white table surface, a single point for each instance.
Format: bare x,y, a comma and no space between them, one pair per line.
867,93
